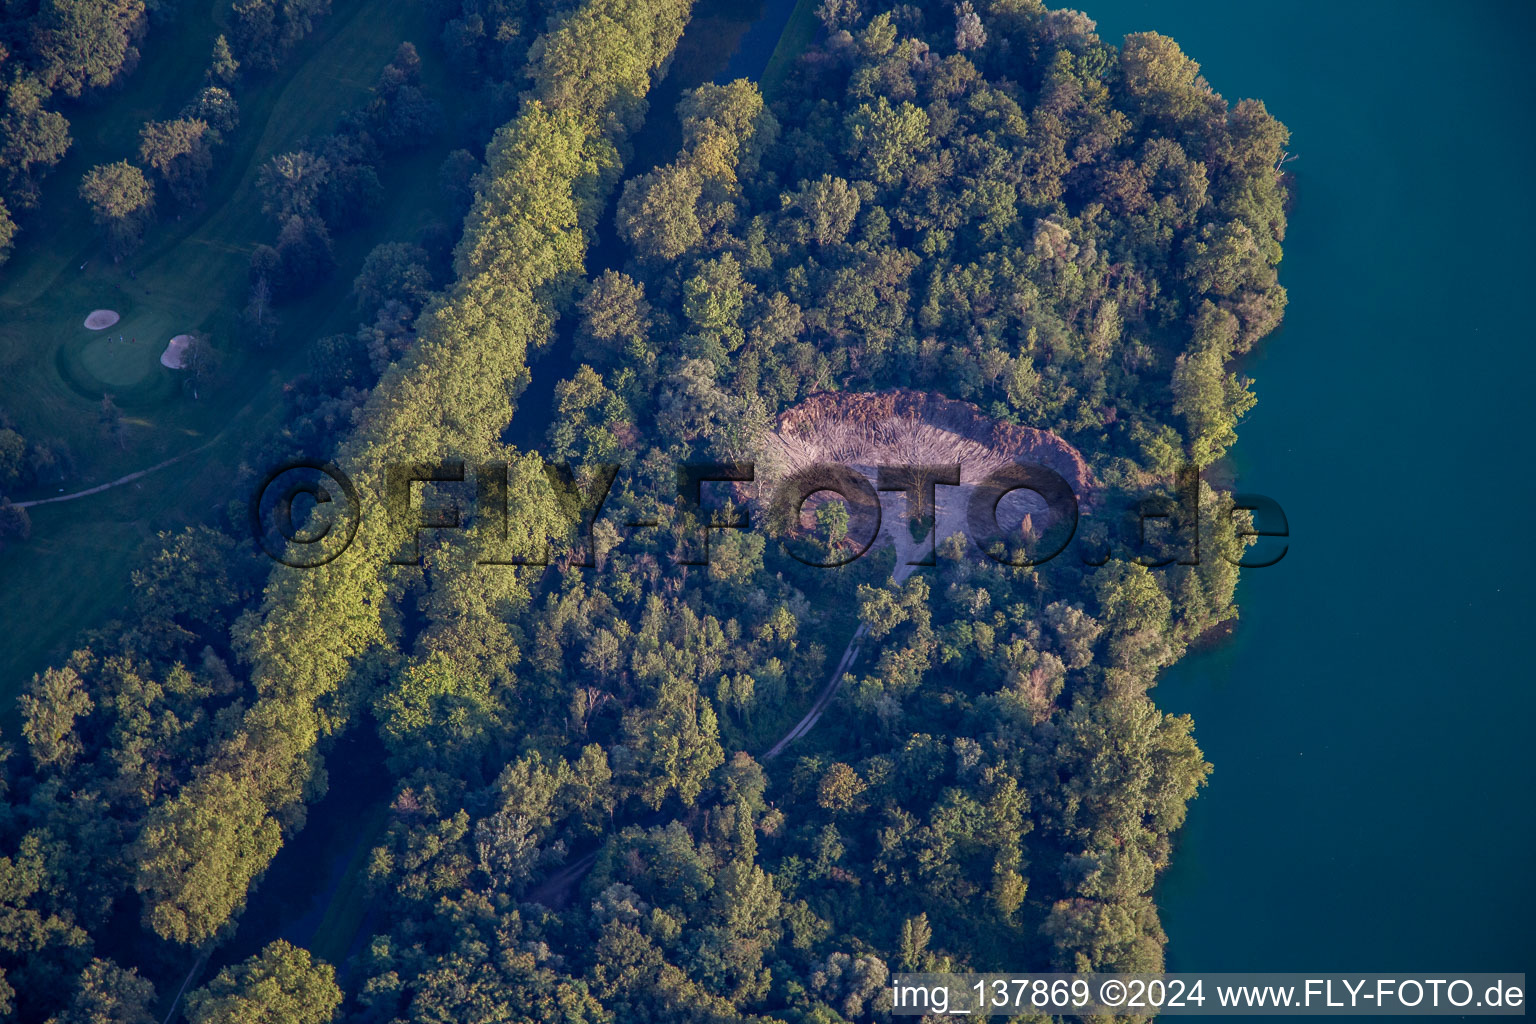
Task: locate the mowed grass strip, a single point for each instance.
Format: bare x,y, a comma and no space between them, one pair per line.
349,904
798,35
191,276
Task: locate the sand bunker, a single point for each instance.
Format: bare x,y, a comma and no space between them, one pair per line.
101,319
175,353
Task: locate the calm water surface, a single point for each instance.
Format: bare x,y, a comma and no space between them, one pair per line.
1371,807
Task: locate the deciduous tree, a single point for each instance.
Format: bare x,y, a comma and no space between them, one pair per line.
122,202
85,44
179,152
281,983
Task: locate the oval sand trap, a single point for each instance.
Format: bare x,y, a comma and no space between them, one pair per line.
174,354
101,319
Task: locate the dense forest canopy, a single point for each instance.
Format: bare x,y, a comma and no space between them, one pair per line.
985,202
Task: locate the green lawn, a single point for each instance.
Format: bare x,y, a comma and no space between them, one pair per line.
349,906
190,276
799,33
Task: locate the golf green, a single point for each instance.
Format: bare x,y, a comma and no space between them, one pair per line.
117,362
122,361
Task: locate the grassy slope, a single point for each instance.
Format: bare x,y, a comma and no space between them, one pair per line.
799,33
344,915
74,571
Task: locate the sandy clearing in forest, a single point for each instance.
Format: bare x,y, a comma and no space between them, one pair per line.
101,319
902,427
175,352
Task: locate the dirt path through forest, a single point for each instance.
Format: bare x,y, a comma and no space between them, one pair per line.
555,889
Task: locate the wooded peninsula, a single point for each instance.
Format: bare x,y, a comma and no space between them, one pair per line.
580,819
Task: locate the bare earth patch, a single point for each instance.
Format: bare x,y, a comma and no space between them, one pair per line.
864,432
175,352
101,319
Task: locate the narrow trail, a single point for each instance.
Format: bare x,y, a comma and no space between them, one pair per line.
909,554
850,654
198,966
130,478
555,890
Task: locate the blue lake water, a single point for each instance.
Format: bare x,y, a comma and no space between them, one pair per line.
1371,807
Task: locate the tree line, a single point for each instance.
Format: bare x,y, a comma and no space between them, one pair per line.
79,48
175,156
225,776
49,48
